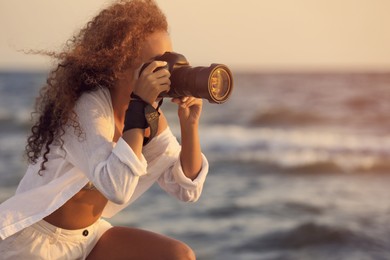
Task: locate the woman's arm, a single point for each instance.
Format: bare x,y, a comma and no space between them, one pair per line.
189,112
113,168
134,138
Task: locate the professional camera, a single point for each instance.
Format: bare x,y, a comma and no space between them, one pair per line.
214,83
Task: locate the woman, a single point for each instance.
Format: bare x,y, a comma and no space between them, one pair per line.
86,153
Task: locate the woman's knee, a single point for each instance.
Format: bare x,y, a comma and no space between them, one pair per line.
181,251
129,243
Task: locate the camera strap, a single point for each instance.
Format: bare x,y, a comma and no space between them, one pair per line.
152,116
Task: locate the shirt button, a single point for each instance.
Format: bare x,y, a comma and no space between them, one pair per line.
85,233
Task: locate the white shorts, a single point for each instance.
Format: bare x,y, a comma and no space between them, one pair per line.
45,241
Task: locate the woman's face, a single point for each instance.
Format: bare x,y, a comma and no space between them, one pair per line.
155,44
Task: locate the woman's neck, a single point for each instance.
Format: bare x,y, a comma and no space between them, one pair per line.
120,97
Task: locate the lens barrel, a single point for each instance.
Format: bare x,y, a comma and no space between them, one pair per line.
214,83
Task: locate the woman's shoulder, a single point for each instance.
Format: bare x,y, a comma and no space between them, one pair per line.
99,98
94,113
98,95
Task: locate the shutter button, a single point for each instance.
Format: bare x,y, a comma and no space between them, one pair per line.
85,233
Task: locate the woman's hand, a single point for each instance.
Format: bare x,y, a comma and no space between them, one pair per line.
151,83
189,110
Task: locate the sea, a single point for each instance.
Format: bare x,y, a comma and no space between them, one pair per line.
299,167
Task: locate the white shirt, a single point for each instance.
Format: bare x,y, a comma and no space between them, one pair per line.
112,167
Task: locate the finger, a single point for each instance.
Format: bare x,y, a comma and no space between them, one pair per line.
193,102
181,100
189,102
165,87
176,100
164,80
162,73
184,101
152,66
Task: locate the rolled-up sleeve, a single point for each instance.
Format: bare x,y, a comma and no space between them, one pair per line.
176,183
163,154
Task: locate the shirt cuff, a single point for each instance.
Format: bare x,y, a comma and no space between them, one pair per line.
127,156
186,182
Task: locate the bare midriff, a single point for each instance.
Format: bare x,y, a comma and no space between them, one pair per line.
81,211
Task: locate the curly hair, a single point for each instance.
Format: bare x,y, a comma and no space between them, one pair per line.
109,44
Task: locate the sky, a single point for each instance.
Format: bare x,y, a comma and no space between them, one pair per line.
243,34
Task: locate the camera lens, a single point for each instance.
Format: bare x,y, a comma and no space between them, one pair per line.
219,84
214,83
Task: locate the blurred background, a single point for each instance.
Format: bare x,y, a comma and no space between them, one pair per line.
299,155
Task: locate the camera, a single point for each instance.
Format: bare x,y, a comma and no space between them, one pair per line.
214,83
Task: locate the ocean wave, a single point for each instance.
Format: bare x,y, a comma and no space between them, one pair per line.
14,120
351,115
300,208
306,235
229,211
297,150
302,164
316,167
282,116
229,136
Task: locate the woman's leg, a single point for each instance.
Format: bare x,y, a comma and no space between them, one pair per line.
131,243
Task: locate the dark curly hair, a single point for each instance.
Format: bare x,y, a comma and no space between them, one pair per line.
109,44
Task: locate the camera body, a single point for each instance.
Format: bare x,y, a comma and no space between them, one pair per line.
214,83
